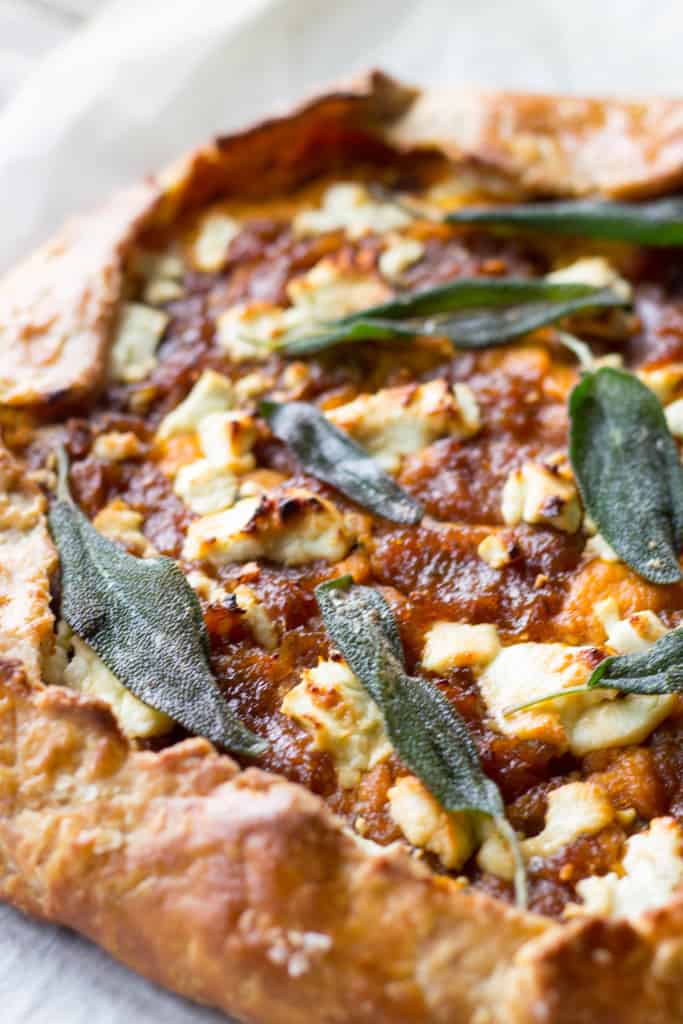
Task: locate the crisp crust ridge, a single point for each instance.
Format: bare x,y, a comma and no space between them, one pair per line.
244,865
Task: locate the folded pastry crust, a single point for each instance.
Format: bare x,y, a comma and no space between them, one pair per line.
235,887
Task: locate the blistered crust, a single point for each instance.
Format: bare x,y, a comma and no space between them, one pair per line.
554,145
58,308
236,889
239,889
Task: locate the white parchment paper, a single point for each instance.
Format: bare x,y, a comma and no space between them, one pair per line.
147,80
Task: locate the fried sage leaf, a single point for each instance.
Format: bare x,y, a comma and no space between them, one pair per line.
659,669
658,222
472,313
628,470
328,453
144,621
426,730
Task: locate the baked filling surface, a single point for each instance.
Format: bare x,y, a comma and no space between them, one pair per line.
503,592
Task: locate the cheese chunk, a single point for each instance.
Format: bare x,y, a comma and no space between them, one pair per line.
349,207
631,635
138,333
577,809
597,547
205,488
259,621
87,673
595,271
525,672
494,551
162,273
652,870
674,418
399,255
425,824
665,381
331,704
226,439
213,392
396,421
328,291
458,645
210,247
120,523
256,615
116,446
541,494
252,331
292,526
581,722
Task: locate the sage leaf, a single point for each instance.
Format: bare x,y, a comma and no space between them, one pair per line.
430,736
144,621
656,222
659,669
628,470
472,313
328,453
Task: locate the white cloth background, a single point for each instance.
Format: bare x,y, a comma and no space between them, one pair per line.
146,80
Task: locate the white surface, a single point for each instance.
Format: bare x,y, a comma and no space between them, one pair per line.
148,79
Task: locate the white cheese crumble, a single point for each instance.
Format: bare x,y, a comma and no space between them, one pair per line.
400,254
205,488
579,808
394,422
581,722
651,871
213,392
635,633
226,439
595,271
331,704
210,247
425,824
494,551
120,523
257,618
252,330
597,547
349,207
665,381
674,418
256,615
162,273
292,526
138,333
88,674
458,645
116,446
328,291
542,493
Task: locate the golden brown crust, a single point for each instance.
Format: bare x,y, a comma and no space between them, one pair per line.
58,306
555,145
27,560
239,889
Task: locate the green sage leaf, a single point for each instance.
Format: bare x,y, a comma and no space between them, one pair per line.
659,669
472,313
627,467
657,222
426,730
328,453
143,619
